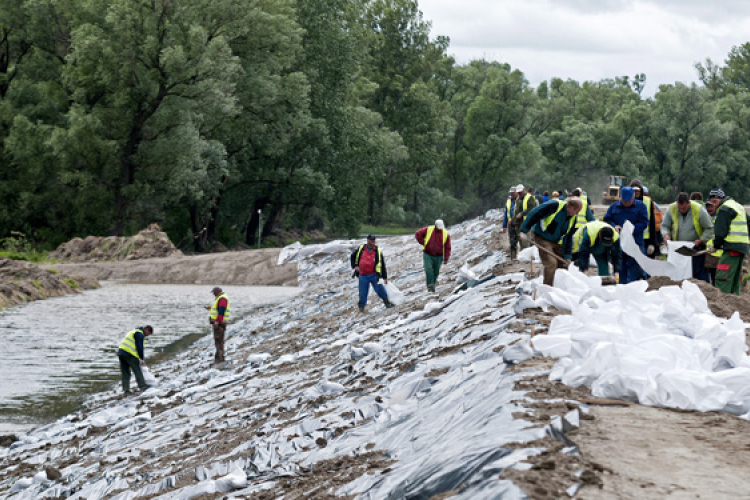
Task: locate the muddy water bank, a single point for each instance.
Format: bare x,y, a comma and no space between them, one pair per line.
248,268
59,351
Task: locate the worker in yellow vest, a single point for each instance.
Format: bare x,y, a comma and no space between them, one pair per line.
599,239
218,315
730,235
687,220
130,352
368,263
436,250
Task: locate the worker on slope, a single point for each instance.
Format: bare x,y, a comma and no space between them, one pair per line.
688,220
730,235
629,209
551,223
508,225
130,352
369,266
436,250
525,203
599,239
217,316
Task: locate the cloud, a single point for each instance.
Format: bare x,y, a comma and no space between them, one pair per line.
590,40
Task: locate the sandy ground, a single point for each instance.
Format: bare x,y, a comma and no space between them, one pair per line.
249,267
628,451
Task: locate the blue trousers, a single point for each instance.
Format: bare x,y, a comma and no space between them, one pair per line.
365,280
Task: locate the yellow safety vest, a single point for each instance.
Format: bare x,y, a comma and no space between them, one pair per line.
592,228
580,219
214,313
524,204
507,208
378,266
647,231
695,210
430,230
738,226
548,220
128,343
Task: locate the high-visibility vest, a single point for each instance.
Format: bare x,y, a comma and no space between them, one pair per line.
580,219
548,220
430,230
647,231
710,243
592,229
128,343
524,204
738,226
378,265
695,210
508,209
214,312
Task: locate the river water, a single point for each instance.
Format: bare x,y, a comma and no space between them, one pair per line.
58,351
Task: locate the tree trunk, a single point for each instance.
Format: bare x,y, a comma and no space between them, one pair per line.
199,233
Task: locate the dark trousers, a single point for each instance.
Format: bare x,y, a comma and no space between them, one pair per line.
699,269
219,330
129,362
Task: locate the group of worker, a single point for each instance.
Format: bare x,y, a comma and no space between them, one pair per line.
566,230
131,353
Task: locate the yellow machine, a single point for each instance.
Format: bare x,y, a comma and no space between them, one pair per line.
612,194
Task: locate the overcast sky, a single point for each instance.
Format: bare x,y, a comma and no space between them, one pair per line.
593,39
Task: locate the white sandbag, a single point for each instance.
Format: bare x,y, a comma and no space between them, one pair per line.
465,274
395,296
527,254
149,377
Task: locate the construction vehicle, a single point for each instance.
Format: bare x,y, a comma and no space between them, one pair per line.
612,194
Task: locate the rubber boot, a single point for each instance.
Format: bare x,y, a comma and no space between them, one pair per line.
431,288
361,309
387,303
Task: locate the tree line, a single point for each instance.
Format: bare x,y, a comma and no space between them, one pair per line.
212,117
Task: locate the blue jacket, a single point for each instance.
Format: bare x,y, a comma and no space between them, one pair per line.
617,214
505,217
556,230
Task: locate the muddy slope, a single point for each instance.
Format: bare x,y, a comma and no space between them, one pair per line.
22,282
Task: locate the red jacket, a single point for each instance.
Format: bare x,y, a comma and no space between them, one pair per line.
435,245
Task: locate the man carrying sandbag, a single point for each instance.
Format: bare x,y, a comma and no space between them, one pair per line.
599,239
436,250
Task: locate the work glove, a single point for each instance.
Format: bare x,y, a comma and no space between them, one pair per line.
650,250
355,274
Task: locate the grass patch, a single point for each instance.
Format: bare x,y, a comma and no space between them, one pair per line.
387,230
71,283
53,270
30,256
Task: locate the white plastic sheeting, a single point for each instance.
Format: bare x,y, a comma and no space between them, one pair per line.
529,253
660,348
676,267
424,382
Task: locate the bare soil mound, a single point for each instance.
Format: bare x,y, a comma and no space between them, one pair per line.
721,304
150,243
21,282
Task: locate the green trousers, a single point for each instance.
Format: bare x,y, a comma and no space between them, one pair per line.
729,273
432,265
128,363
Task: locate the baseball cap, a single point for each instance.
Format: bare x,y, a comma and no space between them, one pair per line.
607,236
439,224
519,188
716,193
627,193
512,189
371,237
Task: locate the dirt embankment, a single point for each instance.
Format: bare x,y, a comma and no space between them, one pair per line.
150,243
22,282
249,267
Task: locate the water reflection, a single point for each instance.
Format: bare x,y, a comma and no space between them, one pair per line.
57,351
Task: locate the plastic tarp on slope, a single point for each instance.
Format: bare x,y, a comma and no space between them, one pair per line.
661,348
